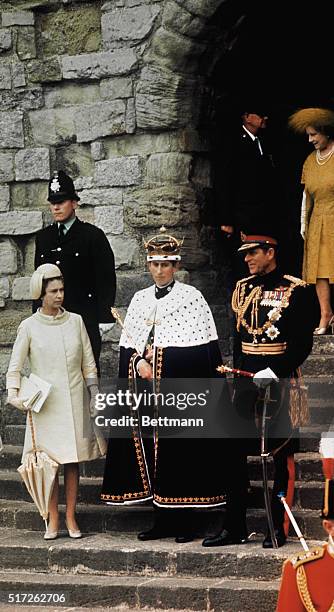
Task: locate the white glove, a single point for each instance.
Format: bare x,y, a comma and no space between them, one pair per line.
93,390
303,230
105,327
263,378
13,400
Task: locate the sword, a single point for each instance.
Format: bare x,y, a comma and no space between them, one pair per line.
264,457
293,522
223,368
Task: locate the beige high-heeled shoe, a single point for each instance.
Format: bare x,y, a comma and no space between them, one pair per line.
73,533
50,535
321,331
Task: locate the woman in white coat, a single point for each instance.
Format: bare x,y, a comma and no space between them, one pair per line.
59,351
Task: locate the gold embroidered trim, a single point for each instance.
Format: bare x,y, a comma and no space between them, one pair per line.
277,348
304,592
326,498
183,500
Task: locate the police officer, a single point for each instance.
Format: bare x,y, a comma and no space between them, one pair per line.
273,337
307,579
84,255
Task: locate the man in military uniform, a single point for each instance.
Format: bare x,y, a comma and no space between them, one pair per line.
307,580
84,256
273,337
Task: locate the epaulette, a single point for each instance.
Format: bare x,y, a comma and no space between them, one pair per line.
295,280
243,280
306,557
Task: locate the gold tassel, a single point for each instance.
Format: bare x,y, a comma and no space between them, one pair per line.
299,406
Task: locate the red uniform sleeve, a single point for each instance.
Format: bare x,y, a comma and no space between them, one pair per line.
289,598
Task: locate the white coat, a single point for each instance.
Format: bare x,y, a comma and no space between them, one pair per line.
59,352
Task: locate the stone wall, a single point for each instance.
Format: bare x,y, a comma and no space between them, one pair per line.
114,93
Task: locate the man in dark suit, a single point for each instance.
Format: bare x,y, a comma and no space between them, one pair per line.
84,256
247,184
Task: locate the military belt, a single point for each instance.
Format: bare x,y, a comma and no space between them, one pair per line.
275,348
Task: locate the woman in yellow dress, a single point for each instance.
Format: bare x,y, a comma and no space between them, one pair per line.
317,215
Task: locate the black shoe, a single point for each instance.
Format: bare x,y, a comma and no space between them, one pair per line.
225,538
156,533
182,539
280,537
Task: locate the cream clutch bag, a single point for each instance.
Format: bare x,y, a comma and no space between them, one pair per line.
33,392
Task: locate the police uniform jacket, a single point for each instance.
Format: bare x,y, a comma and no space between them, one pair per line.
86,261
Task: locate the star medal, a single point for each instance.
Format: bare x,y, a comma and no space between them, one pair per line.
272,332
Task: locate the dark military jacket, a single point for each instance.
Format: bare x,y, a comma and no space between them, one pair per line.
276,328
86,261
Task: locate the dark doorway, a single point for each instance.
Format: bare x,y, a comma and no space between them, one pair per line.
282,54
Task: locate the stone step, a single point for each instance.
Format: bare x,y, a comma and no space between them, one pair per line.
307,494
104,519
308,465
319,386
123,554
318,364
323,344
10,459
203,594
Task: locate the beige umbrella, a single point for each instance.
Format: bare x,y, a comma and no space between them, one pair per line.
38,472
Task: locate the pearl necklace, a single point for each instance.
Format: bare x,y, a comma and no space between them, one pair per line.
323,159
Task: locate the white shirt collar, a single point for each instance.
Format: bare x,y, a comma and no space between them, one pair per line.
249,133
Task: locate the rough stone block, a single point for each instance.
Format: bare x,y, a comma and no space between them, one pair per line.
99,120
6,167
164,99
26,44
118,87
44,71
205,8
66,94
32,164
29,195
99,65
28,99
128,284
8,255
5,76
21,288
5,40
70,31
168,168
20,18
54,126
170,206
130,118
19,222
101,197
174,51
18,75
97,150
126,251
128,24
4,197
118,171
29,256
109,219
83,182
4,287
178,19
77,161
11,130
